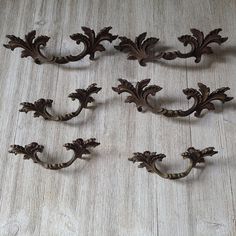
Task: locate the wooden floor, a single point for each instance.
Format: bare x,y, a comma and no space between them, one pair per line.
109,196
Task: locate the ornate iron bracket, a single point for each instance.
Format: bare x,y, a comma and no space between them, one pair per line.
202,99
32,46
78,146
39,107
148,160
144,50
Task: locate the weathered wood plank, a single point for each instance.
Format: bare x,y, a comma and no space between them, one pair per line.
109,195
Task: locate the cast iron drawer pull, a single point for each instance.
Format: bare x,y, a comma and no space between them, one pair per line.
144,51
148,160
202,98
32,46
40,106
78,146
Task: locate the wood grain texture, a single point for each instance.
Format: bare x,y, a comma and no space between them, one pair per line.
108,195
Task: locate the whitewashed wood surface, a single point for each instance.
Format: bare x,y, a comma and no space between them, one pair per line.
109,196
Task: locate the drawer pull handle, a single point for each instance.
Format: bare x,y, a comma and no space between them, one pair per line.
144,50
202,99
40,106
32,46
78,146
148,160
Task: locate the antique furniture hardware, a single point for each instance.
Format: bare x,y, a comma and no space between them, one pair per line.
148,160
144,50
32,46
40,106
78,146
202,99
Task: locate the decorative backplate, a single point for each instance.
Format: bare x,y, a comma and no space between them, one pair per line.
40,106
78,146
144,51
202,99
32,46
148,160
